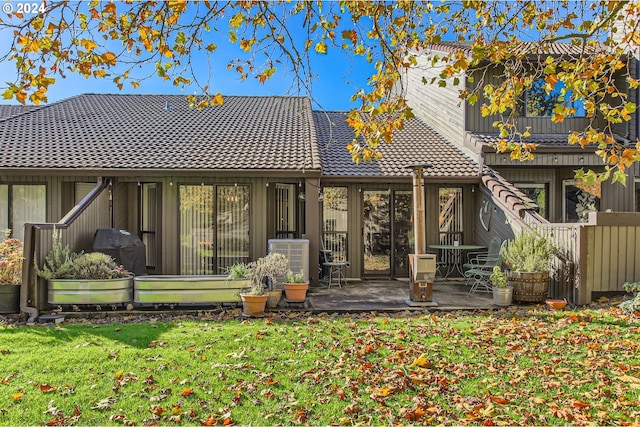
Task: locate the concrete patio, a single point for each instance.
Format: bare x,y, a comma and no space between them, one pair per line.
391,295
354,296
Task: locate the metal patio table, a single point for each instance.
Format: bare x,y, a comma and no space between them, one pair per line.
452,254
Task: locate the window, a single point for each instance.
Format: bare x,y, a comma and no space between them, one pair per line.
537,193
149,222
335,216
579,199
538,103
450,215
20,204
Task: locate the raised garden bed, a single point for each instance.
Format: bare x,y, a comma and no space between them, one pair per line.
168,289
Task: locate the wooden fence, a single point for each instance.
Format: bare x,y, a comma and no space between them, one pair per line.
596,257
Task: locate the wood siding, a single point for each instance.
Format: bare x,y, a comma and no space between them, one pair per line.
574,160
261,219
611,247
475,122
439,107
494,221
615,197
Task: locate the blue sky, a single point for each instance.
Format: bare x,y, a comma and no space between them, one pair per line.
338,77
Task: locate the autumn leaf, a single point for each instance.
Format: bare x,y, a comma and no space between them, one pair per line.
46,388
106,403
187,392
108,58
218,99
422,362
18,396
89,45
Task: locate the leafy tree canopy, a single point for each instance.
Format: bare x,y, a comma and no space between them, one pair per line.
113,40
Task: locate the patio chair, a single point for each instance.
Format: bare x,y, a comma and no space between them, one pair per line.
493,251
478,271
335,273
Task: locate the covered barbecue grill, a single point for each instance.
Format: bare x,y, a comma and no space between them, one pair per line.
126,248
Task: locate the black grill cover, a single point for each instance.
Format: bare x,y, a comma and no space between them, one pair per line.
126,248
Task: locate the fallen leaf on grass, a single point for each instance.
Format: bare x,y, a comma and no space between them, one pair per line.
106,403
46,388
18,396
629,379
422,362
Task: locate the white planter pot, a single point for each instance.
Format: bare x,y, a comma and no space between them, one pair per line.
502,296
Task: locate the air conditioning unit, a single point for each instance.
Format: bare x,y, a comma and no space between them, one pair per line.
296,251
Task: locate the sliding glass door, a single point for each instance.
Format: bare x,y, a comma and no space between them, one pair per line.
214,227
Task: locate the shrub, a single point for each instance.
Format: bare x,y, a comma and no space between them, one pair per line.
10,260
498,278
295,277
239,270
529,252
95,265
58,261
634,303
268,268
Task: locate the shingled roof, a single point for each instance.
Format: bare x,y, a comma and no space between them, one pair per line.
7,111
506,192
553,142
161,132
417,143
532,49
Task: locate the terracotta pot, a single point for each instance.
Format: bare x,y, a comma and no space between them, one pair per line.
9,299
253,305
296,292
556,304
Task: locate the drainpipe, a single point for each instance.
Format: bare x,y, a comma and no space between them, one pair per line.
32,312
27,273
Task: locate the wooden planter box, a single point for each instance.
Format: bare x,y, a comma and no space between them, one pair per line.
529,287
168,289
90,291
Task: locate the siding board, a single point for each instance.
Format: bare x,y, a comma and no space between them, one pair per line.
439,107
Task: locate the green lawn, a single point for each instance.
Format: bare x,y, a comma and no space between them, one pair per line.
508,367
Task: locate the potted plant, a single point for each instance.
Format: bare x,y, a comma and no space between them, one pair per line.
528,257
502,292
260,272
11,256
84,278
295,286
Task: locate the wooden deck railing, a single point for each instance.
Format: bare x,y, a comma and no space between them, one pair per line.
76,230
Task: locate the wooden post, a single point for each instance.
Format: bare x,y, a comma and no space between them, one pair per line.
419,229
420,292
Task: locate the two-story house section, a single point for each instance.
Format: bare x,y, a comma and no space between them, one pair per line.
548,179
